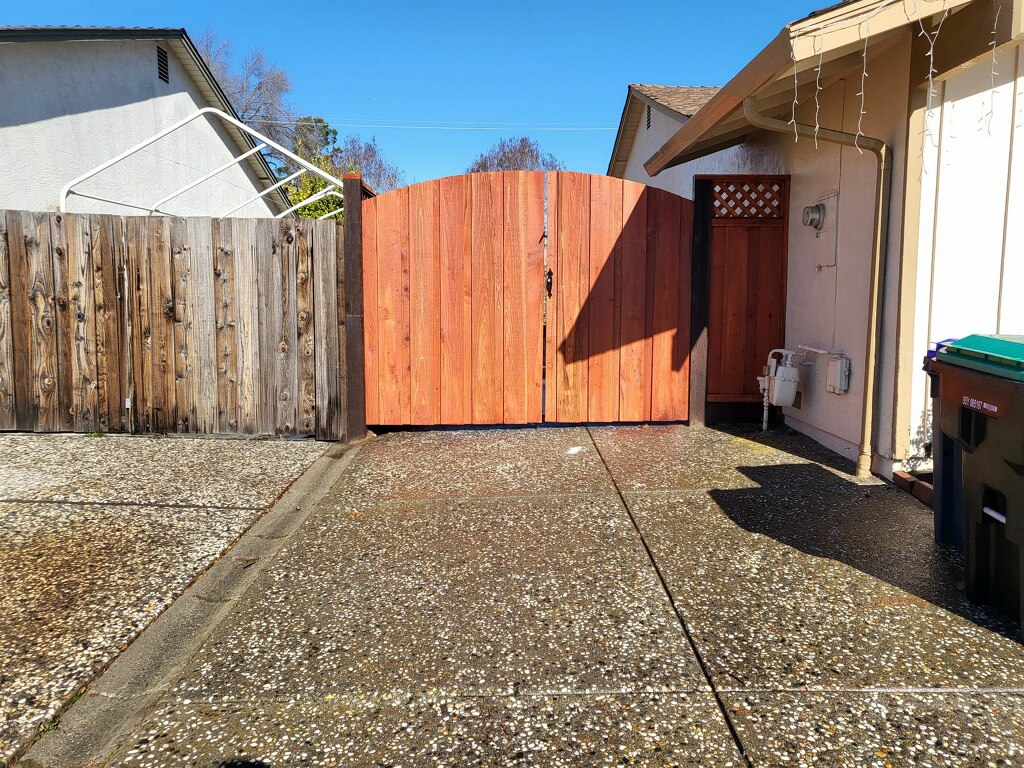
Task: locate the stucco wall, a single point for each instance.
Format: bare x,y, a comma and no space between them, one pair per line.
68,107
970,276
828,272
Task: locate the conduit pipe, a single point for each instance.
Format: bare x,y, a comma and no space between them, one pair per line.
883,154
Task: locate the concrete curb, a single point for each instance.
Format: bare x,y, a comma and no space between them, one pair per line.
86,735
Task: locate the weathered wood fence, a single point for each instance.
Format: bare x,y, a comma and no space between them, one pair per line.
158,324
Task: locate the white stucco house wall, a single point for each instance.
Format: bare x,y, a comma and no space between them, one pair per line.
74,97
951,264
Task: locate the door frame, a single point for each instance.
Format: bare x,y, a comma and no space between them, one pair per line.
700,303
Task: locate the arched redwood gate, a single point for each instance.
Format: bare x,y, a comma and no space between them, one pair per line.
521,297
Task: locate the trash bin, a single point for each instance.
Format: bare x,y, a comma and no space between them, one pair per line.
947,470
981,395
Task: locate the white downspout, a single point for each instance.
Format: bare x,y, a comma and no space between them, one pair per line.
883,153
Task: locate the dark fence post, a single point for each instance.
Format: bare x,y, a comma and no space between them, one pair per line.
700,288
355,417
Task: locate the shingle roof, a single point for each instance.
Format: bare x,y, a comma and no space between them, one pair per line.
684,99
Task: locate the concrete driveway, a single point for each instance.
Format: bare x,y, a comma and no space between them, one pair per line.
607,596
98,535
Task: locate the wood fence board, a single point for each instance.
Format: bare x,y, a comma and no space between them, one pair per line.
671,341
330,422
202,324
552,337
140,314
183,361
163,291
286,373
123,321
395,392
535,295
226,320
8,415
425,302
268,319
342,341
635,349
244,235
602,299
108,324
371,313
488,344
81,316
514,276
305,330
574,282
456,311
65,237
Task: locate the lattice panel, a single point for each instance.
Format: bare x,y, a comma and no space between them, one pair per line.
748,200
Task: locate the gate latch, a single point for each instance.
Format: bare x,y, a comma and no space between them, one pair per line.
549,281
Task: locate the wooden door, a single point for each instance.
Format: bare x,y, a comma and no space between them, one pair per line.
746,317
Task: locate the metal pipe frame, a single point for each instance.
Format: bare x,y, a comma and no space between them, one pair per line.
266,191
330,190
224,117
201,179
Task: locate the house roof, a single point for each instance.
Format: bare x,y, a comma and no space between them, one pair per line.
831,39
176,40
677,101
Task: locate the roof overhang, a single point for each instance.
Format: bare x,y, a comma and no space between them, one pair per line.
177,41
789,63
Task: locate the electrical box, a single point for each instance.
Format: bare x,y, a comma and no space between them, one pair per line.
837,374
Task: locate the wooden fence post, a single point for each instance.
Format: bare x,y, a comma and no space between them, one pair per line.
355,417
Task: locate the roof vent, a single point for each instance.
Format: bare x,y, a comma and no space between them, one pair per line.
648,117
162,70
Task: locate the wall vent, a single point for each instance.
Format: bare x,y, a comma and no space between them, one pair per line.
648,117
162,69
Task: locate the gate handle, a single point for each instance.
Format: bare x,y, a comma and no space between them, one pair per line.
549,281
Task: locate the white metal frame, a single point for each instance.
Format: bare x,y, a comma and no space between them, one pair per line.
263,142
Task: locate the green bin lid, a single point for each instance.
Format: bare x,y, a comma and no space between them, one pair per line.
996,355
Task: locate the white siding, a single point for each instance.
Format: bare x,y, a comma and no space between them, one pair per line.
971,272
68,107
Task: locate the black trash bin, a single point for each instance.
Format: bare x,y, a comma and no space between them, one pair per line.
981,394
947,470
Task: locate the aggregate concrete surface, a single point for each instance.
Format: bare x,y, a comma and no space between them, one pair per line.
603,596
98,535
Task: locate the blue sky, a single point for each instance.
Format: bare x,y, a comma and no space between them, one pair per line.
516,68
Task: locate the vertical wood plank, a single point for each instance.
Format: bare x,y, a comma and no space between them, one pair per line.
202,324
226,320
329,415
287,342
162,311
142,354
573,284
393,307
8,415
488,344
351,254
82,247
33,322
425,302
603,299
552,337
183,307
110,329
305,331
635,350
671,342
268,314
534,298
371,313
342,376
456,311
65,245
244,237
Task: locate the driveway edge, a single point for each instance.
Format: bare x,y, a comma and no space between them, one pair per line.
87,732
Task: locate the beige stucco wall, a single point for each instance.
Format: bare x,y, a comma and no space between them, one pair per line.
828,272
67,107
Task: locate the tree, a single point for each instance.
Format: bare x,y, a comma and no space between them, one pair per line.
257,90
515,154
365,158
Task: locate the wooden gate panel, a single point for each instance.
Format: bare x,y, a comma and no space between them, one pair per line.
572,283
488,333
425,301
672,225
604,299
634,323
456,313
393,307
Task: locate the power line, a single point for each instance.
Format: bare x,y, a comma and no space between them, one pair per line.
453,126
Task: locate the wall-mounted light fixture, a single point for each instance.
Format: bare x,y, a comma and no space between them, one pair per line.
814,216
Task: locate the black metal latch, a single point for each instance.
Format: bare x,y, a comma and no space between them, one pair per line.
549,280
